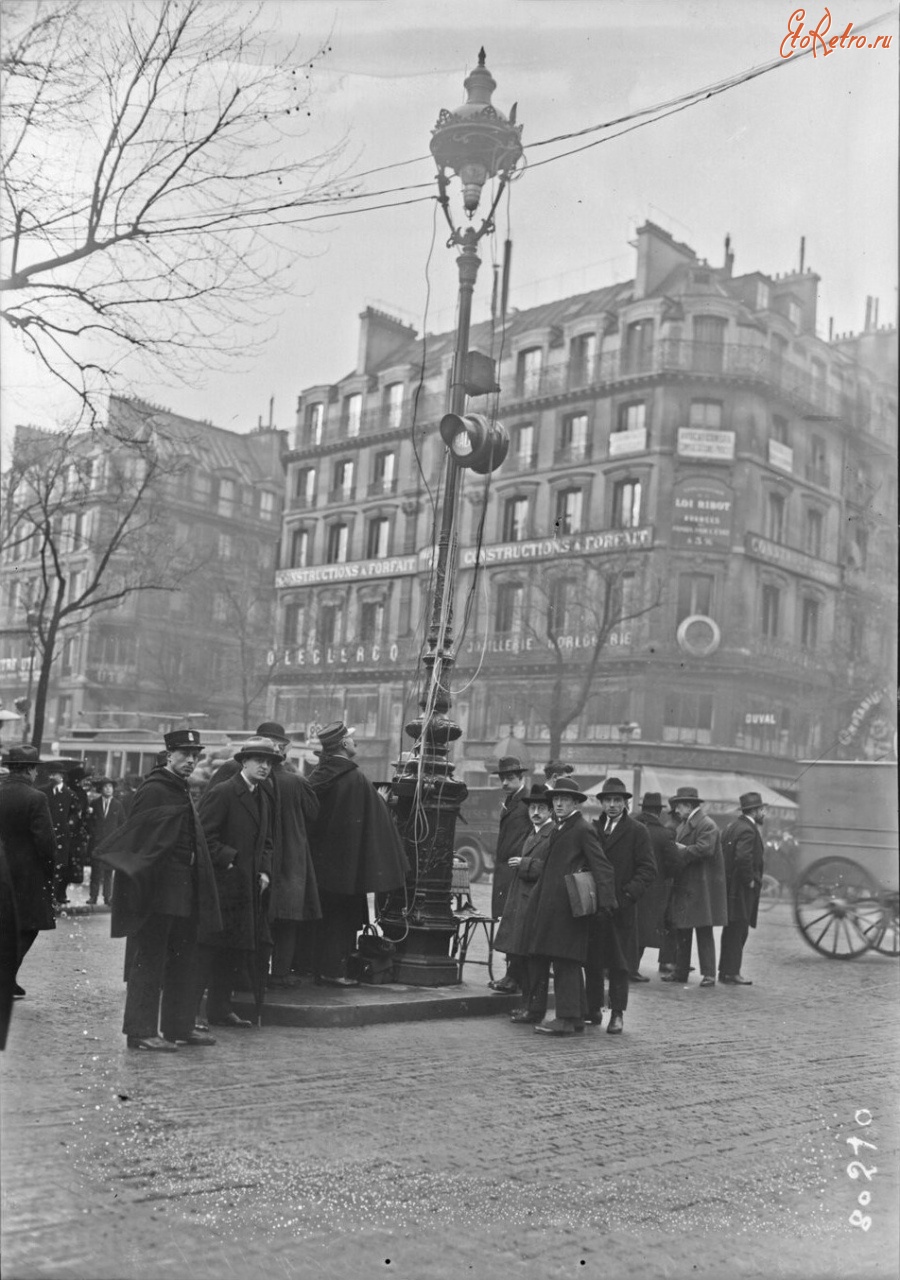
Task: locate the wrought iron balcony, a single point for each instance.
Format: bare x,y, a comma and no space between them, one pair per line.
386,485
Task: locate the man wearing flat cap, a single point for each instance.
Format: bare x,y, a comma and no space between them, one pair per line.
515,825
612,944
164,900
743,850
698,899
356,850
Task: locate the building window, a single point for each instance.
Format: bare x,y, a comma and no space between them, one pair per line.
515,519
266,505
352,414
299,548
305,486
583,359
780,432
812,537
220,607
338,538
510,601
343,478
315,422
563,592
378,538
695,595
528,371
775,517
631,417
294,623
574,442
225,546
227,496
626,508
371,622
638,347
706,414
817,467
605,712
384,471
393,400
709,343
687,717
524,446
794,312
762,296
569,510
809,624
330,624
771,609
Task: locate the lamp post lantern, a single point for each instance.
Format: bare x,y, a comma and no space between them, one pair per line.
477,143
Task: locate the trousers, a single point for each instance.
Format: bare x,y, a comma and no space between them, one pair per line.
706,951
343,915
162,978
731,948
568,986
100,875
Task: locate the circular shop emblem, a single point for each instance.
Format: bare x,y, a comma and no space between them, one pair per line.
699,636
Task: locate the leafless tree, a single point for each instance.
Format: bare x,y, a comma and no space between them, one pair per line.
153,158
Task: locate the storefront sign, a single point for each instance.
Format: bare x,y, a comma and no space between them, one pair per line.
760,717
713,446
573,544
702,514
336,655
791,559
634,441
351,571
580,642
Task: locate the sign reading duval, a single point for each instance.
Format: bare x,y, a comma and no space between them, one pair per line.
702,512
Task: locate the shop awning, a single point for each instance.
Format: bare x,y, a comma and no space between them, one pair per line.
720,790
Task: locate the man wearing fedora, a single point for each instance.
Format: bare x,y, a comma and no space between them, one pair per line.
698,899
652,930
554,936
511,936
612,943
743,850
164,901
238,819
515,825
26,834
107,815
356,849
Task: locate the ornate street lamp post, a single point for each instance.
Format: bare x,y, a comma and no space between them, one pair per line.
478,143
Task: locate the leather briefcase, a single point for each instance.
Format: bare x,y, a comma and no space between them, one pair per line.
582,893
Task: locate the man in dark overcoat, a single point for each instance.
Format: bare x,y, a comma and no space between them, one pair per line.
356,850
65,815
164,899
612,943
652,930
553,936
238,817
515,825
743,851
107,815
698,900
294,895
26,832
510,936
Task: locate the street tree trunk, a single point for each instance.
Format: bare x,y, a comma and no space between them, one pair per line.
48,645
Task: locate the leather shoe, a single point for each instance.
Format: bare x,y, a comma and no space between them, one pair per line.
615,1025
322,981
155,1044
637,977
505,986
18,992
672,977
707,981
197,1038
736,980
557,1027
522,1015
230,1020
595,1019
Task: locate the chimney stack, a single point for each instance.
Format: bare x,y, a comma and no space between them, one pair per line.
729,256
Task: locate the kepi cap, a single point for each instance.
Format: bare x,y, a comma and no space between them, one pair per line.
183,740
333,735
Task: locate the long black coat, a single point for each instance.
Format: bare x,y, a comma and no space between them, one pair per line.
103,827
238,826
698,893
10,954
743,852
510,936
355,844
65,815
629,850
651,909
27,835
549,928
515,825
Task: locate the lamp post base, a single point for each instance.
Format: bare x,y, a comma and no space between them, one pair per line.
423,959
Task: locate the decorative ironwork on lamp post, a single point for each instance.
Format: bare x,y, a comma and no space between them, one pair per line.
478,143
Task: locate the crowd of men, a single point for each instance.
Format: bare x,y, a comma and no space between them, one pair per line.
266,875
658,881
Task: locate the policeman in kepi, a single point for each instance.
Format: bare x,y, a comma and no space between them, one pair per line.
164,899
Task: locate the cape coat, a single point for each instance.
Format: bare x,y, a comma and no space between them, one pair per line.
26,832
356,847
651,908
154,852
743,852
698,894
549,928
510,935
237,824
515,825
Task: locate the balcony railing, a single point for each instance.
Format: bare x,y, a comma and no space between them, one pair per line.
387,484
521,461
570,453
816,475
343,493
303,501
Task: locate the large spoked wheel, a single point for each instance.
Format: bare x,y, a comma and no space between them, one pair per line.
837,908
881,924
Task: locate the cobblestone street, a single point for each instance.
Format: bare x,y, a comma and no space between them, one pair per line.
709,1140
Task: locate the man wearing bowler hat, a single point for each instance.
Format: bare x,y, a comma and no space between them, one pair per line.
743,850
698,899
515,825
612,943
164,899
356,850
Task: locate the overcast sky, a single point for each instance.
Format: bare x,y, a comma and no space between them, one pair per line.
809,149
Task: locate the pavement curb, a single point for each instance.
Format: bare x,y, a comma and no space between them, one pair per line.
369,1006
